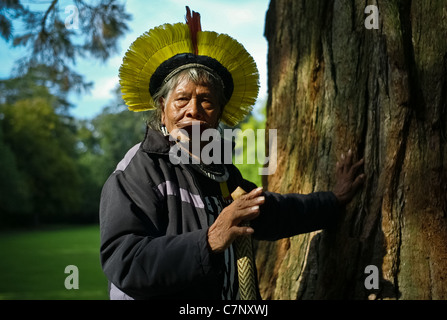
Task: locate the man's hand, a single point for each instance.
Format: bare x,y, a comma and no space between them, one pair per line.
226,228
348,180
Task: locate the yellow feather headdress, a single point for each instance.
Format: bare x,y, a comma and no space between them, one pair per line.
162,43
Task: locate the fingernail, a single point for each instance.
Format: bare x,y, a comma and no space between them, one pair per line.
254,208
260,199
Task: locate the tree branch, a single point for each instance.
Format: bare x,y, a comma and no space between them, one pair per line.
50,8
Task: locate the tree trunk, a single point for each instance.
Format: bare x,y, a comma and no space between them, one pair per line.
334,85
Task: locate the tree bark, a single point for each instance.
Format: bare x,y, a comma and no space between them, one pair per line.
335,85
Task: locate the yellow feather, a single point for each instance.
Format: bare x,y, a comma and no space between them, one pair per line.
144,56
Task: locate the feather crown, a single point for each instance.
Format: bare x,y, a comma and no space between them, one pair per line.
159,51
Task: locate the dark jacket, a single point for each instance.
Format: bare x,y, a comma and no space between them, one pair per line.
154,225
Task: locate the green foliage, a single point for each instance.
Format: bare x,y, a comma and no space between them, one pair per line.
54,166
43,146
246,152
14,192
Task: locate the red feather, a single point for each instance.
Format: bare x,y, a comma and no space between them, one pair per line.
193,22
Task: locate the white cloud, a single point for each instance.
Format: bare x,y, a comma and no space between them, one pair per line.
103,88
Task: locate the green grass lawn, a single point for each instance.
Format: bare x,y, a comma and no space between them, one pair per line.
32,264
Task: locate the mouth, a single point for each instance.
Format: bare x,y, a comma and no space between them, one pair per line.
186,130
192,127
185,124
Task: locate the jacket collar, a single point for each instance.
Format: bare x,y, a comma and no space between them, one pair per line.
155,142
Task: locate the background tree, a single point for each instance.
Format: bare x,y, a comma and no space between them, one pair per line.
334,85
44,170
61,34
15,194
42,149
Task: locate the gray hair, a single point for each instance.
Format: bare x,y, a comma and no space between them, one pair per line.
196,75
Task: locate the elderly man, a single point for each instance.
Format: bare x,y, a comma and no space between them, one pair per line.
167,229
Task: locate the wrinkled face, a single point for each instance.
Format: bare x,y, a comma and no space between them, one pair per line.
190,104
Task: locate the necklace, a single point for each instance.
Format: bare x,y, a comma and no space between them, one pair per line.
216,172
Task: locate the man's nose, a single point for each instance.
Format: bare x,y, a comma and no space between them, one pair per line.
195,110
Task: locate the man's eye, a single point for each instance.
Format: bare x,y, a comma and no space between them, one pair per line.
208,103
182,101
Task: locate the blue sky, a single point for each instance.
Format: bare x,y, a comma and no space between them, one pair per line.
241,19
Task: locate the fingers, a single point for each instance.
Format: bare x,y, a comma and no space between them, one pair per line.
348,162
228,227
238,231
253,198
345,165
247,207
358,182
341,165
252,194
355,167
338,168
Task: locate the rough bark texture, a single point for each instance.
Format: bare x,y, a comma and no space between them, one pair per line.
335,85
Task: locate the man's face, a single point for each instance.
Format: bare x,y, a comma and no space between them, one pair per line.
189,104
